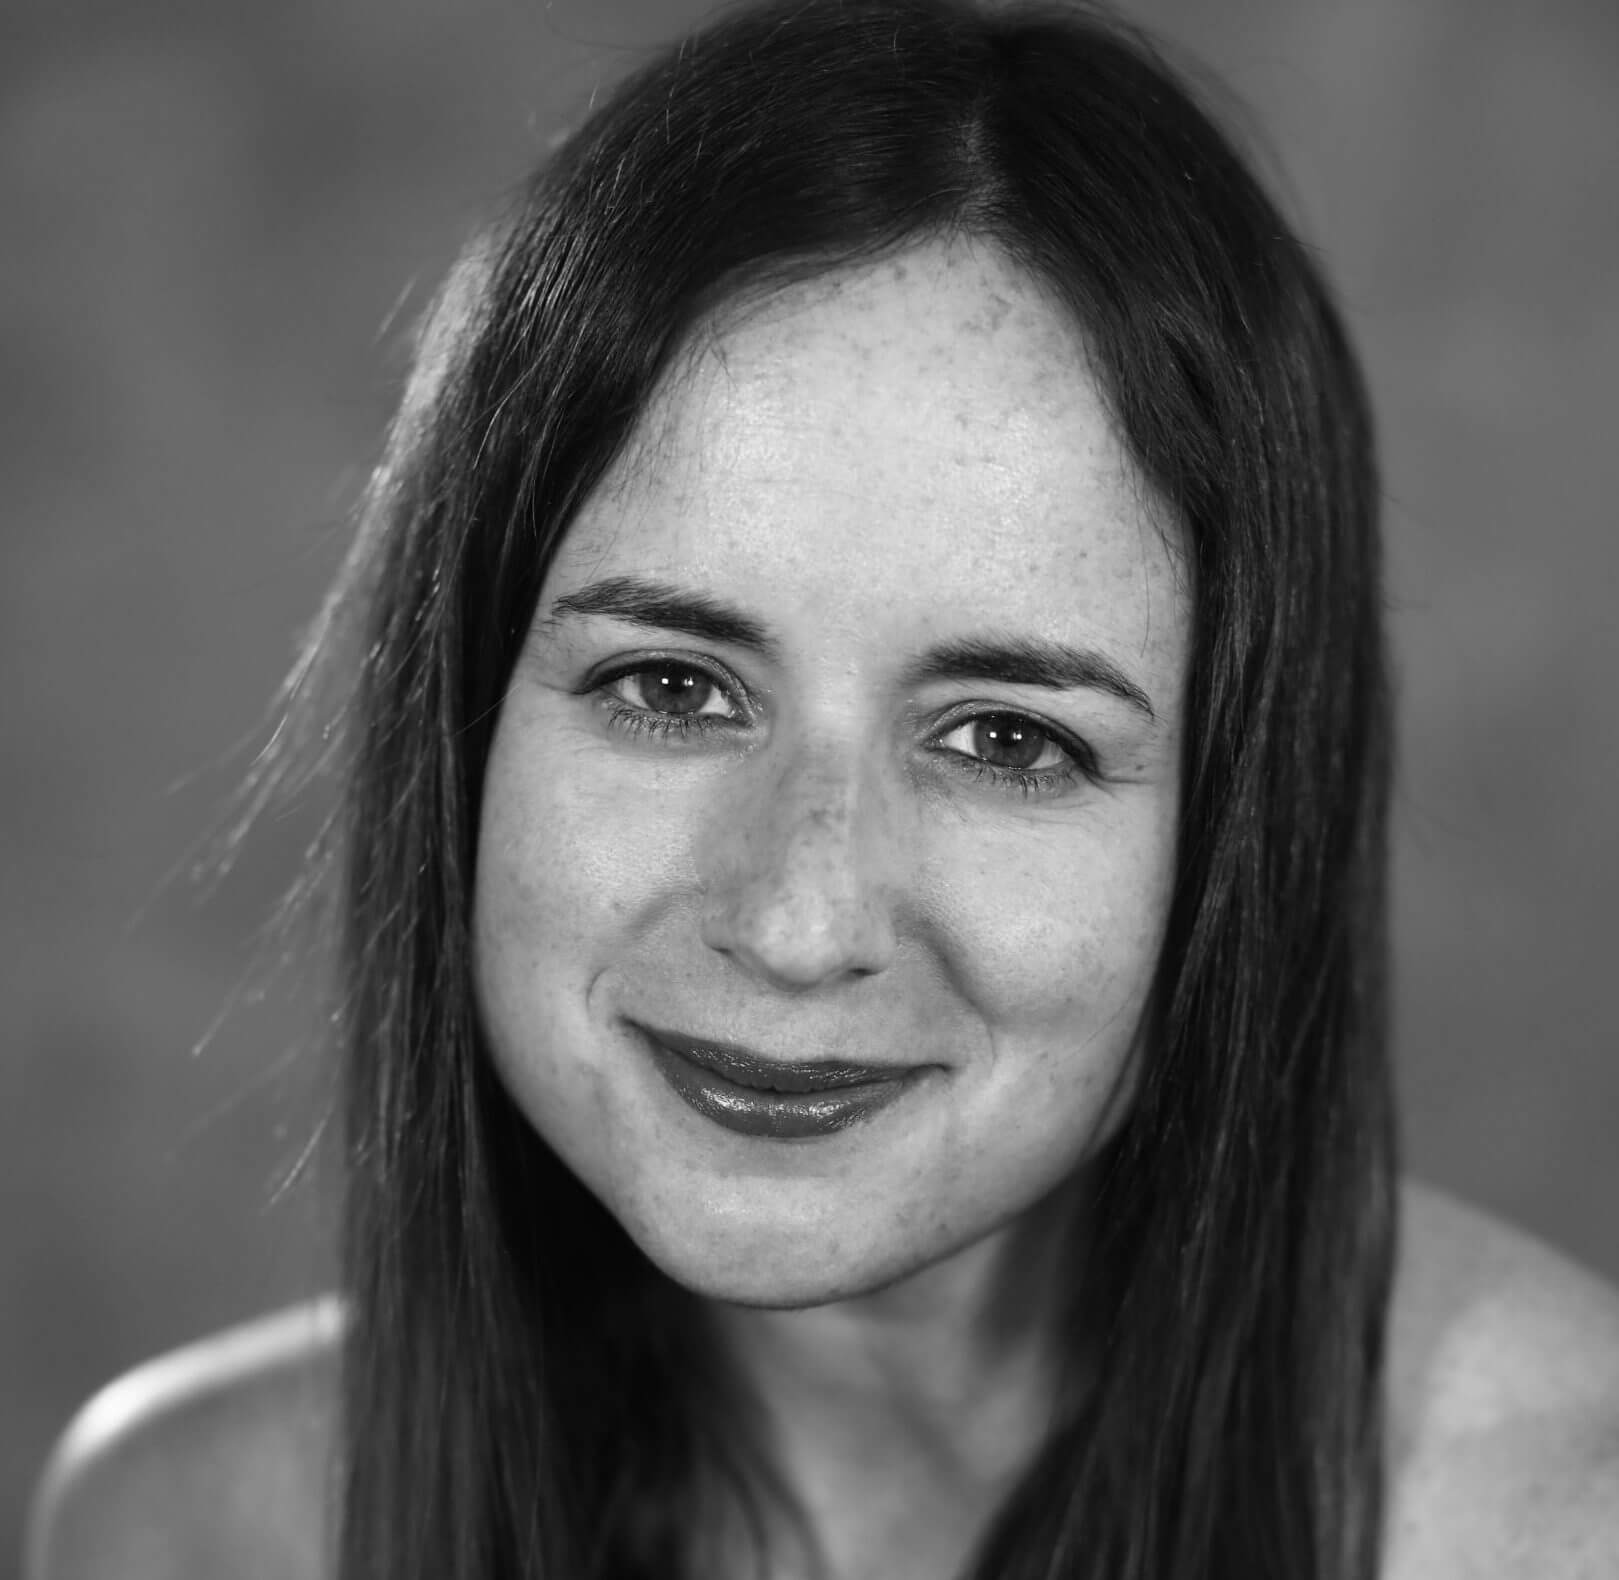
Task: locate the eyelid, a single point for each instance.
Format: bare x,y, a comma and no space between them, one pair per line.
617,668
970,712
1050,736
1081,766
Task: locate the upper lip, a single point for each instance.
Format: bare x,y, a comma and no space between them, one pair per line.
747,1068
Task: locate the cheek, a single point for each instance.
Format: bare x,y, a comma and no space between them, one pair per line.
1054,947
564,869
567,856
1058,932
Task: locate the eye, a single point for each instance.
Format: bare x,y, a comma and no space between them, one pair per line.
666,697
1014,751
1007,740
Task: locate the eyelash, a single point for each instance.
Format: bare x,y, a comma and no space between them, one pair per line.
645,722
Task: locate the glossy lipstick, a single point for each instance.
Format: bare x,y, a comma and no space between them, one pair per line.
770,1098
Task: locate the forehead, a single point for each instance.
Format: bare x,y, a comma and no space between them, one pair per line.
917,442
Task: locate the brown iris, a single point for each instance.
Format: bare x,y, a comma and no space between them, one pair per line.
673,688
1006,741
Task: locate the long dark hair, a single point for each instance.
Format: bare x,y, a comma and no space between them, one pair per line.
525,1395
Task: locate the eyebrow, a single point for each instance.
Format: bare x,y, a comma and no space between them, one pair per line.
1013,661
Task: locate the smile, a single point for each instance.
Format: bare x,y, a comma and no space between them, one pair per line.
780,1101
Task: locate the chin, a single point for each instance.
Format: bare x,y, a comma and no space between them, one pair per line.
760,1282
770,1268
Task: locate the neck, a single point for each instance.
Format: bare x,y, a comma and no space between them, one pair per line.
900,1419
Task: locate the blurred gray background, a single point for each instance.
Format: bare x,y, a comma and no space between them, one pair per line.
218,216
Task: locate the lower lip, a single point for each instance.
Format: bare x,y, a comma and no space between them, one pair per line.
777,1116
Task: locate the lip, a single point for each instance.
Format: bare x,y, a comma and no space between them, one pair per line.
743,1092
743,1067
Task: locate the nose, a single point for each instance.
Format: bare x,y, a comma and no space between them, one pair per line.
798,874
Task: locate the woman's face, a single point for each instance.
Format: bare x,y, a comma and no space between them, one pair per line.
846,735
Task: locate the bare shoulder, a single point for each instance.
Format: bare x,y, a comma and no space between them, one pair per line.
1504,1404
211,1460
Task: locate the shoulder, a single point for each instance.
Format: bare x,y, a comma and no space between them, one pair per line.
1504,1404
211,1460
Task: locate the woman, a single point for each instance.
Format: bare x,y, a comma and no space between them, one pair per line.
862,887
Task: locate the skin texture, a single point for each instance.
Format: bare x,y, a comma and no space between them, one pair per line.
869,465
1503,1448
820,877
